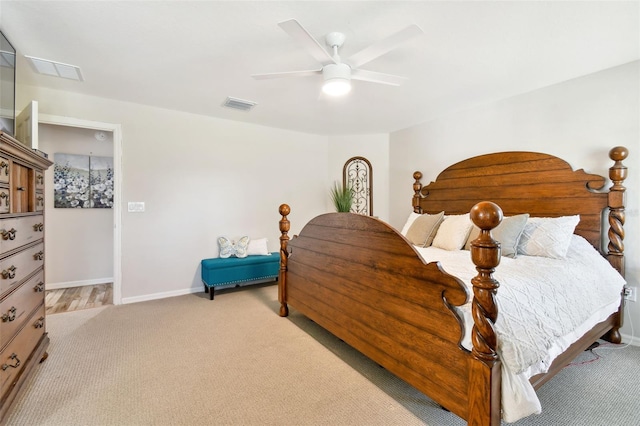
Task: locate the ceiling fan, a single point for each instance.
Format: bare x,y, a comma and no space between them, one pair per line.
337,74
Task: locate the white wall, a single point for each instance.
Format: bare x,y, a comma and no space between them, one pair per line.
200,178
79,247
579,120
375,148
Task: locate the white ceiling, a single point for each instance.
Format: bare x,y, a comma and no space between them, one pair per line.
191,55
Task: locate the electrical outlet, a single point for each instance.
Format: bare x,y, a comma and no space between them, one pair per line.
630,293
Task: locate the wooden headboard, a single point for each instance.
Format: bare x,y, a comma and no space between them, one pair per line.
535,183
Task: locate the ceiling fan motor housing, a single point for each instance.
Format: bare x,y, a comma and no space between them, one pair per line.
336,71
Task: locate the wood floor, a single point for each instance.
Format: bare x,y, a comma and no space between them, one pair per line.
76,298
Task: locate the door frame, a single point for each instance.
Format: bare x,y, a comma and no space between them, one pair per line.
116,130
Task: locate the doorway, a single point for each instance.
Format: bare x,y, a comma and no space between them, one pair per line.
99,130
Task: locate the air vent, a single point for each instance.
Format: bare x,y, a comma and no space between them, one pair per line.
55,69
240,104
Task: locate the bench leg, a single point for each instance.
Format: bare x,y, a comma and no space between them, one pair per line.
208,290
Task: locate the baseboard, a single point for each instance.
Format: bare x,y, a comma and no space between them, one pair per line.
69,284
631,340
155,296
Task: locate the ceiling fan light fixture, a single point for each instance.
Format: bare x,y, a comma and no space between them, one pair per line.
337,79
336,87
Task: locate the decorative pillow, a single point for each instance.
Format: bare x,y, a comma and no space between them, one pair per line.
508,233
548,236
230,248
453,232
423,229
413,216
258,247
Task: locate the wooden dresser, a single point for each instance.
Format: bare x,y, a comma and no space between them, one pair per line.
23,337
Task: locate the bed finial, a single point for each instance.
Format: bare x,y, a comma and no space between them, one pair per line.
617,174
417,186
284,210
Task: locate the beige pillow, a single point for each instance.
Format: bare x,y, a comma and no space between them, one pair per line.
508,233
423,229
412,216
453,232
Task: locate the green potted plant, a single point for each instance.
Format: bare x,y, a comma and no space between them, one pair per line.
342,197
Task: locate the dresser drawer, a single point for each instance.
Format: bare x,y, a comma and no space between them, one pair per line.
15,355
17,306
39,202
4,169
5,200
39,180
17,267
18,231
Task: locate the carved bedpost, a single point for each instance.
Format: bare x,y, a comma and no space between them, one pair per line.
417,186
616,201
617,174
485,376
284,210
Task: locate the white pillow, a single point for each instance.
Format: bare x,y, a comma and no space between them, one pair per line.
413,216
548,236
258,247
453,232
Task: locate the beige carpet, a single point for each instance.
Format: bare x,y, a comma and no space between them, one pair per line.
233,361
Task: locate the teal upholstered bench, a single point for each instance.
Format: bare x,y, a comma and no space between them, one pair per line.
234,271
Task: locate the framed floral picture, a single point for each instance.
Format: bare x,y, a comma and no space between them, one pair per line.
82,181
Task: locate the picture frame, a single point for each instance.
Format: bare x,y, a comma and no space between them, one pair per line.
82,181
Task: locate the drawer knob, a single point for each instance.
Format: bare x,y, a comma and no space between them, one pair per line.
38,255
39,323
40,179
4,196
16,362
4,165
9,235
38,227
10,272
39,288
10,315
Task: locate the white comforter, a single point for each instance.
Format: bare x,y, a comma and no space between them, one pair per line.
544,305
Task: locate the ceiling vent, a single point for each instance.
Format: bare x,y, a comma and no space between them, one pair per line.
240,104
55,69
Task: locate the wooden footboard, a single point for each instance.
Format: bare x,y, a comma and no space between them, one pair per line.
380,297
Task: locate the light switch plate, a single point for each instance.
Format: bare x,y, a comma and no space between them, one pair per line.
135,206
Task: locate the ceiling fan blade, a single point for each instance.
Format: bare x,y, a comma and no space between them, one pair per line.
306,40
377,77
383,46
305,73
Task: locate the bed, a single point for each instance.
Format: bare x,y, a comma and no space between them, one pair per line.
369,285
